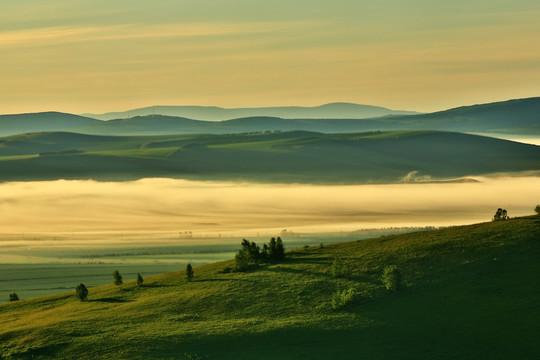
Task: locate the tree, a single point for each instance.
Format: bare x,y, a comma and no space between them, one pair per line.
117,278
13,296
81,292
276,250
500,215
272,249
189,272
280,250
140,280
391,278
537,209
264,255
248,255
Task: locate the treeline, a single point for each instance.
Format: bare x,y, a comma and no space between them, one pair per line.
250,254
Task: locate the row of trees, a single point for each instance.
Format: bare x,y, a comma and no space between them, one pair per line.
81,291
250,254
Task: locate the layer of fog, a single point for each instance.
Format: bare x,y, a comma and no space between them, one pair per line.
525,139
86,209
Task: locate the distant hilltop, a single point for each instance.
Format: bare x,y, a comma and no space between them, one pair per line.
338,110
513,117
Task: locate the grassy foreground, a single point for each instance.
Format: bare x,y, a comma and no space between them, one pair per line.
471,292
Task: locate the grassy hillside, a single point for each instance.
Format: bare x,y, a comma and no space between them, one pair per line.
282,157
46,121
469,292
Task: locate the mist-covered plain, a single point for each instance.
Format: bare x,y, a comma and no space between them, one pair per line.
134,210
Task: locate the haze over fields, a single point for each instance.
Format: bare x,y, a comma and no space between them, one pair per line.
210,208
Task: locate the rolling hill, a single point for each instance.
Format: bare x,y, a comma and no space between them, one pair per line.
45,121
519,116
297,156
469,292
214,113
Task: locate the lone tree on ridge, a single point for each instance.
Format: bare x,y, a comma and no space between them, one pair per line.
117,278
81,292
189,272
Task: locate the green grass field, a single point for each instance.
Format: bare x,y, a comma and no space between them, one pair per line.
55,268
470,292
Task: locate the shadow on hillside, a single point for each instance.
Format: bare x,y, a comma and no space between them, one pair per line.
157,285
226,280
357,278
111,300
280,269
39,352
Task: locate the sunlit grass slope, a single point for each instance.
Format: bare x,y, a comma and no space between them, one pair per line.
296,156
470,292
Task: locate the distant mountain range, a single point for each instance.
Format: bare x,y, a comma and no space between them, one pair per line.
521,116
213,113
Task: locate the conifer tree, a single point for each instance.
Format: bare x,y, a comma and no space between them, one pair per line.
280,250
81,292
272,249
189,272
117,278
140,280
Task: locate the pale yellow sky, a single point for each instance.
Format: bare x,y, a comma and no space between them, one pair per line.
98,56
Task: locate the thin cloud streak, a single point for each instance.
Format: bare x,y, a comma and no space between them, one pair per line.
66,35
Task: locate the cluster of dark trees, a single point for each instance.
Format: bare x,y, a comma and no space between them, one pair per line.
250,254
500,215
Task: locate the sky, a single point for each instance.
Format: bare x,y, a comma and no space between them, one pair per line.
424,55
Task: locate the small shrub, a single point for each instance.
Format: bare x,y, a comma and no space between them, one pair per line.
225,270
117,278
81,292
340,299
391,278
140,280
13,297
189,272
321,245
339,268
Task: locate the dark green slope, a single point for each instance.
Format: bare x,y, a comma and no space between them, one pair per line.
47,121
274,157
513,116
469,292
